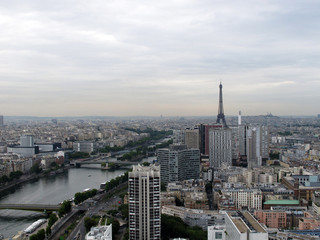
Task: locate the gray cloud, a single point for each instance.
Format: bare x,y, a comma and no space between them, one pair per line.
158,57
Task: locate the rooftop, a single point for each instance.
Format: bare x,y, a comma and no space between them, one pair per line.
245,222
282,202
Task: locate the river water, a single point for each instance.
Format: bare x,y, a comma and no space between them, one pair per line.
49,190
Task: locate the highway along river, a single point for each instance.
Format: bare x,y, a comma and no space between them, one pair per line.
49,190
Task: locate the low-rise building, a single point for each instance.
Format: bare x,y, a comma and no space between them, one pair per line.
243,226
309,222
216,233
100,233
270,203
195,217
245,198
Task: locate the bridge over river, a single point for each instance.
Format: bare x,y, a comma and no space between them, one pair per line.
78,163
31,207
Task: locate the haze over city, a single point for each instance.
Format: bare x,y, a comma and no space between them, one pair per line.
129,58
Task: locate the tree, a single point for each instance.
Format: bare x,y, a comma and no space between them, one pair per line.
36,168
163,187
124,209
90,222
40,235
52,219
53,164
115,226
79,197
48,230
173,227
16,174
274,155
5,178
146,164
64,208
179,202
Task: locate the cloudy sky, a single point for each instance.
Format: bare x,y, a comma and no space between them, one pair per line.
145,57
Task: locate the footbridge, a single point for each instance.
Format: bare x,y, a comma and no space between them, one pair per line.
31,207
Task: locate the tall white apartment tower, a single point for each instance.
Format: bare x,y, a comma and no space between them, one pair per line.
220,154
257,145
144,203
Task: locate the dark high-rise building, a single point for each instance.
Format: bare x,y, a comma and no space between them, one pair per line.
1,120
179,163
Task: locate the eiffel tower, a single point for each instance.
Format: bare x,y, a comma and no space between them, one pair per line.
220,117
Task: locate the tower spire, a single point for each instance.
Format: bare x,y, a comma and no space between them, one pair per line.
220,117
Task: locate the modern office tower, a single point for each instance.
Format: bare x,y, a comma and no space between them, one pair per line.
178,163
26,141
220,154
192,138
1,120
235,142
243,226
257,146
242,138
202,138
144,203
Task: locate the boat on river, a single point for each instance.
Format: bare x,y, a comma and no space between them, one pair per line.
34,226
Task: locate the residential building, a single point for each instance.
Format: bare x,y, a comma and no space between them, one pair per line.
303,186
257,145
144,203
179,163
245,198
26,141
243,226
195,217
220,154
272,219
216,233
100,233
83,146
192,138
290,203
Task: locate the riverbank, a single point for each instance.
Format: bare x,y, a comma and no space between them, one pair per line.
48,190
30,177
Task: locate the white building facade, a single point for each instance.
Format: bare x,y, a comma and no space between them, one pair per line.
144,203
220,154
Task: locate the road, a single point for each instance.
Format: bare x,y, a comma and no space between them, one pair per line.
100,208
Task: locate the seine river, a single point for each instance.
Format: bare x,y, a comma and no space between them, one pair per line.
49,190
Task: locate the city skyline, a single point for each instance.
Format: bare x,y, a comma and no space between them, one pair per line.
124,58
